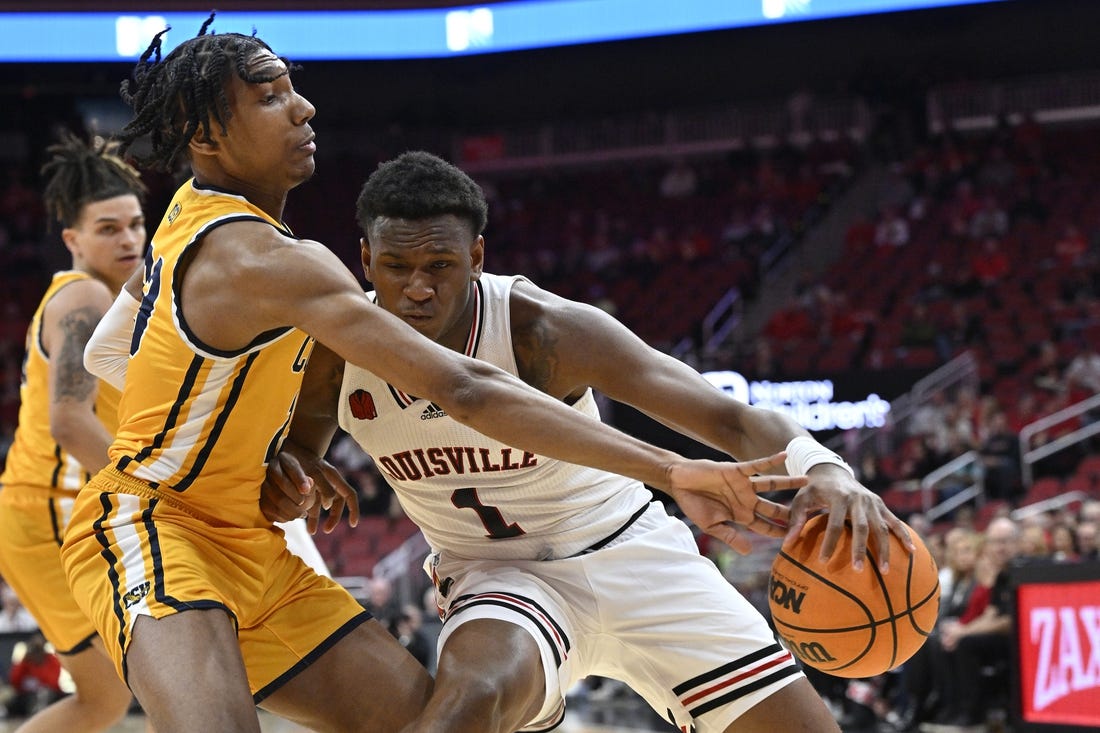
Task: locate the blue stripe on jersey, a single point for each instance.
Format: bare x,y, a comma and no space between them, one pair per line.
227,409
112,573
174,413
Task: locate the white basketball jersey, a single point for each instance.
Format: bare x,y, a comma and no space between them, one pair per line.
474,496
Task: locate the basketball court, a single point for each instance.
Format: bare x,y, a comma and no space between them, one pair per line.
631,719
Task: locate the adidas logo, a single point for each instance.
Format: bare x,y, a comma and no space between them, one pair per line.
432,411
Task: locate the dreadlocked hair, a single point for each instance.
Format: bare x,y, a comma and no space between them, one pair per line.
174,98
79,173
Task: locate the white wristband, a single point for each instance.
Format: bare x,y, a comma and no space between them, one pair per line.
804,453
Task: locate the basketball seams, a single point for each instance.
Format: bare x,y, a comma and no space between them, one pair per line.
799,596
872,626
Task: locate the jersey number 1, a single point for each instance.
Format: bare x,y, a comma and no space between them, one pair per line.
495,526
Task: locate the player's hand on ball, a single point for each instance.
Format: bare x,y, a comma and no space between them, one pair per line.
833,489
722,498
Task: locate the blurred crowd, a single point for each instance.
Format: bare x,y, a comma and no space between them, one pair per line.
986,245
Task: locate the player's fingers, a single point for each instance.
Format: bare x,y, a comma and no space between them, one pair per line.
340,487
794,529
279,506
312,518
730,536
761,526
834,527
777,483
759,465
295,473
773,512
861,530
334,515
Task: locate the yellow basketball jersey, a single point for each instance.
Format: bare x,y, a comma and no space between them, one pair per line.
196,423
35,458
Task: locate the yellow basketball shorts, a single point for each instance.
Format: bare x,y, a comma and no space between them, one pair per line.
32,520
130,550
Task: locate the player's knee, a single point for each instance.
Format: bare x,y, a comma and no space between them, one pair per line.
482,704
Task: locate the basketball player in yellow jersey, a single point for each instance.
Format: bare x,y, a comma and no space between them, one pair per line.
207,613
67,418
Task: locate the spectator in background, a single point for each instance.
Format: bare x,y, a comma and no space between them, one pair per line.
871,473
1071,248
990,264
920,330
406,628
981,636
1048,371
926,674
679,181
380,600
1000,457
1063,543
892,229
1083,372
13,616
35,679
1088,540
990,221
1034,542
1083,378
961,329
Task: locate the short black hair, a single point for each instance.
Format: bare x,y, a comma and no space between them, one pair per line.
79,173
419,185
173,98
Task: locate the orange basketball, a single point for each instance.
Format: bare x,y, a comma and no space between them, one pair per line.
849,623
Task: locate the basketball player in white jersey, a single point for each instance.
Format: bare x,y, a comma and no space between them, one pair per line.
546,571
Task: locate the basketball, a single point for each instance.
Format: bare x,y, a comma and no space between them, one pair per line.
852,623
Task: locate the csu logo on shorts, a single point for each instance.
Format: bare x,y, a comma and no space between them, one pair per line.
135,594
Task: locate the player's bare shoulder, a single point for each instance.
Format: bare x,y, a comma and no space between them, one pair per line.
544,327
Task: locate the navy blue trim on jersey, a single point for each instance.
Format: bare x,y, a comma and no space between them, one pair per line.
223,416
85,643
112,574
273,686
57,529
173,414
56,465
177,286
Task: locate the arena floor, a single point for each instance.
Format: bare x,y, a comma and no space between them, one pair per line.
618,716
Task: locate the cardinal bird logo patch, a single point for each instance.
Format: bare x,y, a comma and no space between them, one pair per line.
362,405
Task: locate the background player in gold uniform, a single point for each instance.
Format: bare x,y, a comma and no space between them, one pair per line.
167,549
67,418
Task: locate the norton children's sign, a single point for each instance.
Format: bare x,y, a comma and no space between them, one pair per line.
810,402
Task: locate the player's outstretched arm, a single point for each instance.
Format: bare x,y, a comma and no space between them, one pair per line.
564,347
313,290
